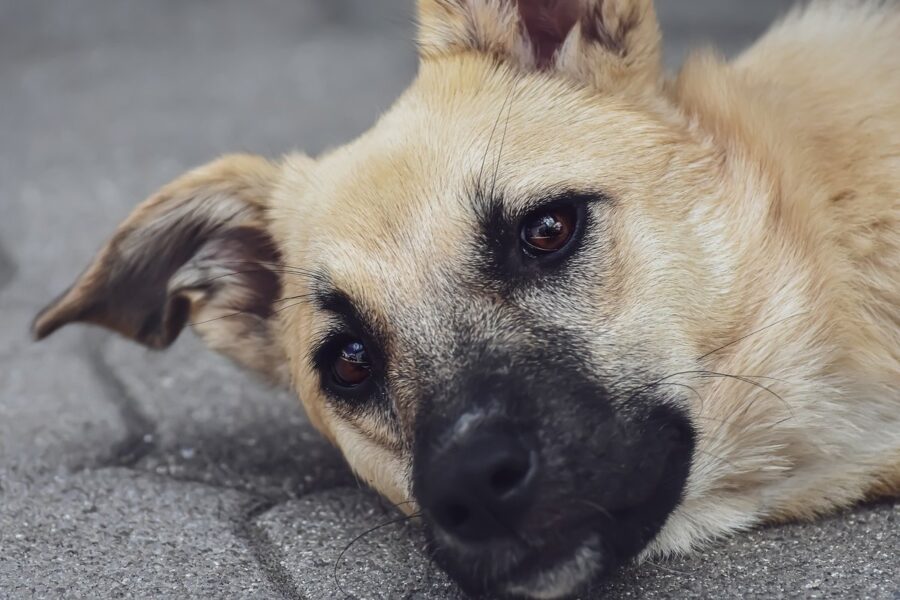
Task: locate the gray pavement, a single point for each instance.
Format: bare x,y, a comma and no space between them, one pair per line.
127,473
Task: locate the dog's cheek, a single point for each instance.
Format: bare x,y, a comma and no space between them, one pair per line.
383,469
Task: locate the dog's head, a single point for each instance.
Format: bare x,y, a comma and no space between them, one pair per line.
479,300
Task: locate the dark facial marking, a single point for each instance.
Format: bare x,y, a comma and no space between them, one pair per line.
604,471
350,357
507,253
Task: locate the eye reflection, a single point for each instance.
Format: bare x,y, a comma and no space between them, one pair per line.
548,231
351,367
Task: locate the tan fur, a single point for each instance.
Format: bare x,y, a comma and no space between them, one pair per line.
756,232
227,194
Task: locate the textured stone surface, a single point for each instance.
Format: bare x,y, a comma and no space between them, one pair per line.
55,410
853,555
130,473
207,421
118,534
346,543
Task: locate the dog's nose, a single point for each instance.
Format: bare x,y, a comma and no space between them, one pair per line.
481,487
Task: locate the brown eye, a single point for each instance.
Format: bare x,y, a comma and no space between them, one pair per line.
548,231
351,367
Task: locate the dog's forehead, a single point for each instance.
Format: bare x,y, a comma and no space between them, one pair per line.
383,215
463,122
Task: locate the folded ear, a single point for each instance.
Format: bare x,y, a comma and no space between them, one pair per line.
605,43
197,251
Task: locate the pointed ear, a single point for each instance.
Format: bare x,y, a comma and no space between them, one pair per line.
610,44
198,251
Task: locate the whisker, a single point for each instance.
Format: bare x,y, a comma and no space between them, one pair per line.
503,137
722,423
752,333
284,308
684,385
669,569
603,511
738,413
273,264
340,557
228,316
487,148
748,380
251,271
717,457
302,297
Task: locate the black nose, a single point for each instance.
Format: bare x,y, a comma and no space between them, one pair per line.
480,487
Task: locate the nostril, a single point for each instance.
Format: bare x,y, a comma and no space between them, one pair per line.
507,478
480,486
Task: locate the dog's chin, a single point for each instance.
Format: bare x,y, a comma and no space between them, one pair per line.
569,541
557,575
557,569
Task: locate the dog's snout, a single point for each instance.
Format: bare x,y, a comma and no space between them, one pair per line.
480,486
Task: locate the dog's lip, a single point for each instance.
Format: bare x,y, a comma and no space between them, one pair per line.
555,570
551,569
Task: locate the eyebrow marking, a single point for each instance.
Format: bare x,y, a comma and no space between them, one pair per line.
341,305
497,254
328,298
322,288
494,207
349,318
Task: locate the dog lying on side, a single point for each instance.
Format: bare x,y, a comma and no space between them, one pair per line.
570,309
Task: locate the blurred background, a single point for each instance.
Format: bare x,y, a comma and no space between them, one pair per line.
101,101
127,472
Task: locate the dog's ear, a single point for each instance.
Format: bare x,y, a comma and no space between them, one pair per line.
198,251
612,44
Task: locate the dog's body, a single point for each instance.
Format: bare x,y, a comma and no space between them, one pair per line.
813,113
714,342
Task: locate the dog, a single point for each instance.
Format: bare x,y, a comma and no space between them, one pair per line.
568,309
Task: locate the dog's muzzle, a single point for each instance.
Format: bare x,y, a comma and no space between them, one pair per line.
527,507
482,484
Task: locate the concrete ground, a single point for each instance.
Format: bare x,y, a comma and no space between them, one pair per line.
127,473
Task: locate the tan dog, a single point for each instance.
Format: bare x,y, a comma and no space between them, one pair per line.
575,310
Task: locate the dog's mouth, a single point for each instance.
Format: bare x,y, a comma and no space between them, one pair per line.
573,535
555,568
554,572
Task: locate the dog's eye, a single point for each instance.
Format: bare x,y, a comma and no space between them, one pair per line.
351,367
548,230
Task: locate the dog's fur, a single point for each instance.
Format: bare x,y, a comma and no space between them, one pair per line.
749,226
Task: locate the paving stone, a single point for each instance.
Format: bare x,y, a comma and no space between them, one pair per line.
389,562
119,534
852,555
213,422
56,412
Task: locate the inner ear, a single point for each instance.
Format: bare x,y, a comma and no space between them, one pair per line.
199,252
604,44
547,23
234,274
